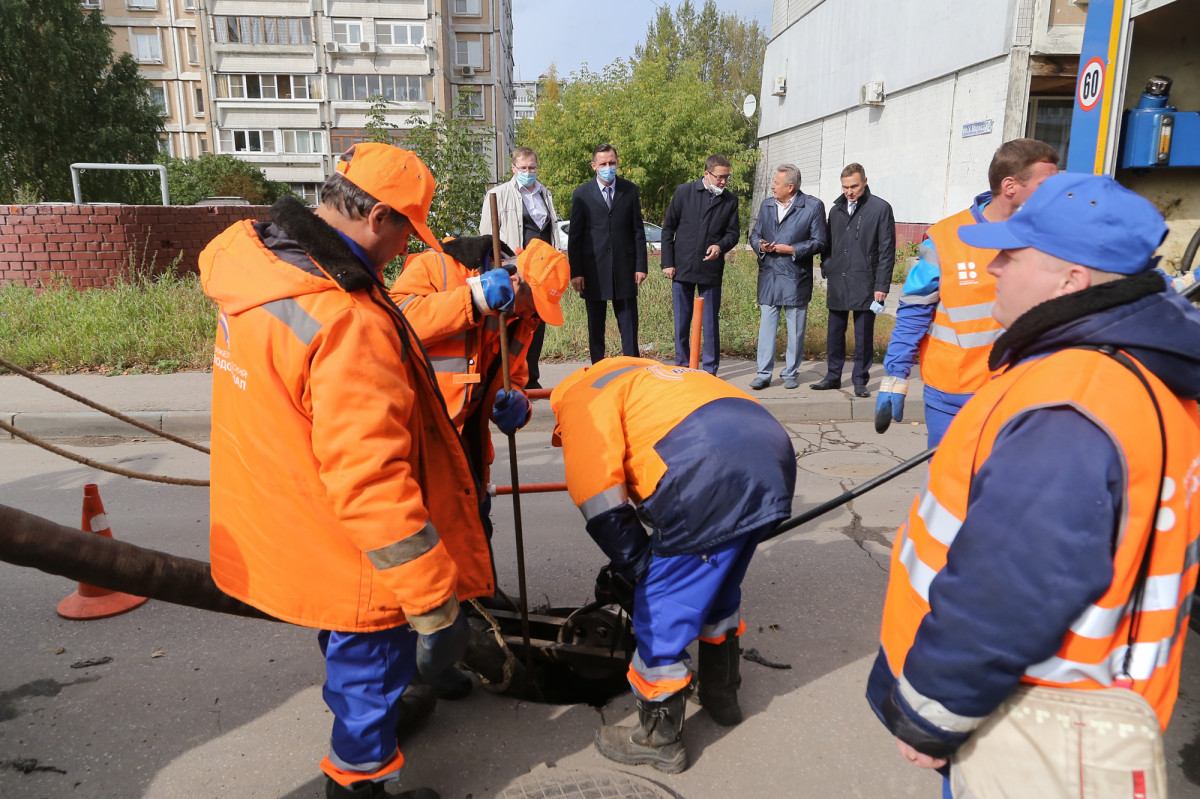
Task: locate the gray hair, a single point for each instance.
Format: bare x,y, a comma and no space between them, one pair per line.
793,174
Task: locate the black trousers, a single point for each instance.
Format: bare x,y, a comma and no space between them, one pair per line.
864,345
533,354
626,312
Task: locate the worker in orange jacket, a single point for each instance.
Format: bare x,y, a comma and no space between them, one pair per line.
710,472
451,299
326,418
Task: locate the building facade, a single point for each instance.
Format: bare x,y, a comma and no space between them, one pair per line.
287,84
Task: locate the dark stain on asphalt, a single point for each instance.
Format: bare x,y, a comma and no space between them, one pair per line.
1189,757
46,687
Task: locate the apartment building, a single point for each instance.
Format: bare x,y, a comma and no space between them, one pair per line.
166,39
288,82
525,95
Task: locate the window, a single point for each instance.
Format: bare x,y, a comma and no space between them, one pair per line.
468,53
158,96
164,146
142,5
346,31
303,141
307,192
268,87
469,8
247,141
387,32
470,103
262,30
189,5
203,142
193,48
146,48
401,88
198,99
1050,121
90,3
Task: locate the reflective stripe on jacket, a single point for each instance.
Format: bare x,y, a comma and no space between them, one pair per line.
1093,649
341,498
954,353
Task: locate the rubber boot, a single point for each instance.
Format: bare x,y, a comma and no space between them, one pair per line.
720,678
417,704
656,740
373,790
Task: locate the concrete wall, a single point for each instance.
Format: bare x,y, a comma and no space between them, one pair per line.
92,245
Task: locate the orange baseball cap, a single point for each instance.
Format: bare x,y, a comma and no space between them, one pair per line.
548,274
396,177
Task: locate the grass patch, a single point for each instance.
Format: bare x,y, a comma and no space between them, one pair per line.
739,319
142,324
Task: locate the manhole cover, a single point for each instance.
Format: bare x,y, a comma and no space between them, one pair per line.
556,783
846,463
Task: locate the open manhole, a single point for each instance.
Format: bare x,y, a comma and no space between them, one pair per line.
559,783
576,655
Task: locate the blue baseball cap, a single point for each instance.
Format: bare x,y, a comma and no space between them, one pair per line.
1090,220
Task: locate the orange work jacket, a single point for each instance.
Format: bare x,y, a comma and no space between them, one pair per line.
1112,397
341,497
954,353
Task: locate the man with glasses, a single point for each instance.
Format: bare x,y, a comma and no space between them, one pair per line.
526,212
701,225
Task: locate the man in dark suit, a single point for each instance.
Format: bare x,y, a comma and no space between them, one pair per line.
606,246
858,266
701,225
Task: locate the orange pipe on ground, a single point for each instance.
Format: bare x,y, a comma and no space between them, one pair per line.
697,318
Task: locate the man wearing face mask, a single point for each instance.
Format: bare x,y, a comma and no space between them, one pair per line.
527,214
701,225
607,251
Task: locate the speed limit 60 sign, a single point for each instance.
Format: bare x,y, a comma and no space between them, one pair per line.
1091,84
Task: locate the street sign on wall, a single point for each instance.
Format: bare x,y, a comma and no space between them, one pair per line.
1100,88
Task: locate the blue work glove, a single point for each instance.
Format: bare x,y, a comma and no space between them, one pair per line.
890,404
511,411
492,291
440,650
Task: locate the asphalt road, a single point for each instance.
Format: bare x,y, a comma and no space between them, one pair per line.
195,704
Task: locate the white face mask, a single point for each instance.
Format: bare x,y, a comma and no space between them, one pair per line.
716,190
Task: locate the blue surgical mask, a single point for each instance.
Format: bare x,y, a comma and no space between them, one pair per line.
526,179
607,173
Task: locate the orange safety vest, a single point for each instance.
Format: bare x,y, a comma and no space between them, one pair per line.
345,515
954,353
1092,651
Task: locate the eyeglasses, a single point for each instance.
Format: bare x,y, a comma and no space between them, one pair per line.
719,178
529,170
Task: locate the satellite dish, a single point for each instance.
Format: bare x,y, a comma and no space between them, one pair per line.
749,106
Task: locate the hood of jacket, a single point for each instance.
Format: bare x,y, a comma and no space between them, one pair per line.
309,256
1140,314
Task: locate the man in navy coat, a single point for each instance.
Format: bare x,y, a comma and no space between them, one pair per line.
607,251
701,225
789,231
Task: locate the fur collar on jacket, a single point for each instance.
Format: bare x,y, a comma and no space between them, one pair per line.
322,243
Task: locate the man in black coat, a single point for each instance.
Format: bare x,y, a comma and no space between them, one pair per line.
606,246
858,266
701,225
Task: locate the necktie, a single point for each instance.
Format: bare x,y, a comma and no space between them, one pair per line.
608,196
852,205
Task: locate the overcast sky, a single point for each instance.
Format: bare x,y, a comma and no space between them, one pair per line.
571,32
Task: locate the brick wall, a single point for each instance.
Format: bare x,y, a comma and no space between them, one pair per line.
91,245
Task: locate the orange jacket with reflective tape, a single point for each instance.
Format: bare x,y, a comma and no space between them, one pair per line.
954,353
1109,395
341,497
464,351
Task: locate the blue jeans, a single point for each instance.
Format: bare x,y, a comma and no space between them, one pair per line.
682,295
768,324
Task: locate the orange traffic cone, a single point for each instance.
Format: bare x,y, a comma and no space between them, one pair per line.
90,602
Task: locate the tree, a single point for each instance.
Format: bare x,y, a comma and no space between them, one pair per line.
211,175
64,99
455,150
377,126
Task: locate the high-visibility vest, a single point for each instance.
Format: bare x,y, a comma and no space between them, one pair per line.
954,353
1092,650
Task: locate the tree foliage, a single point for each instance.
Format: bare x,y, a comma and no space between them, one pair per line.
64,99
211,175
665,111
455,150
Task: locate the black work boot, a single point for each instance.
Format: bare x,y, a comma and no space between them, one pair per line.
720,678
373,790
416,706
657,740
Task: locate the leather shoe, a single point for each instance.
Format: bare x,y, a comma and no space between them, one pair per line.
826,384
791,382
861,391
759,383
